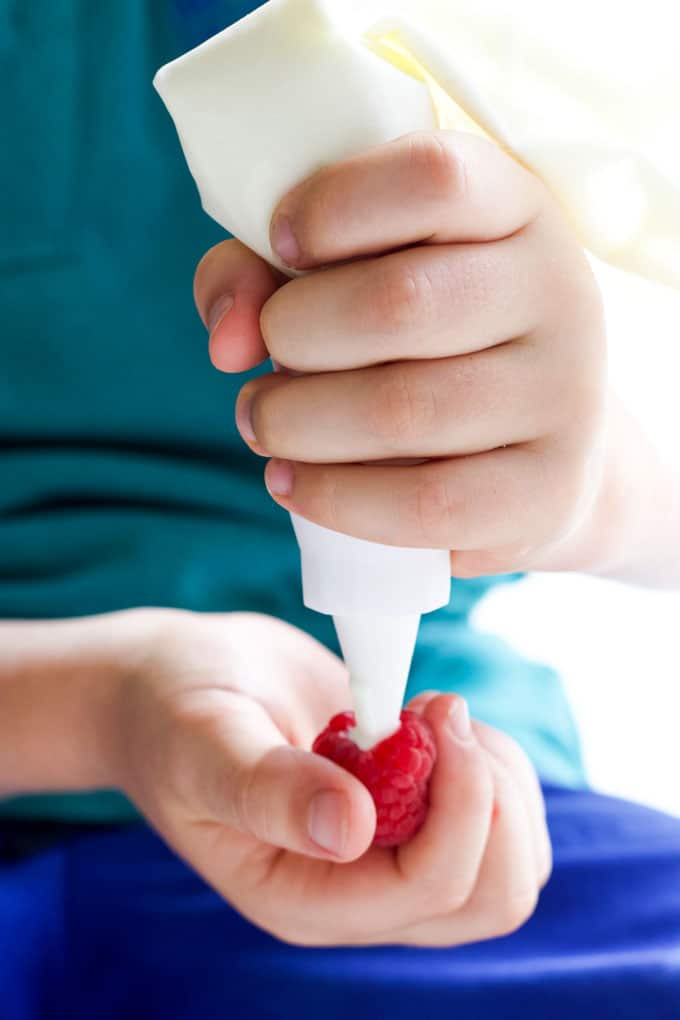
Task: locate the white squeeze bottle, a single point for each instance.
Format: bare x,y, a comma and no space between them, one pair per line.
299,84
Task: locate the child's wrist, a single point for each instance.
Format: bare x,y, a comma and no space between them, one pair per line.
125,643
61,685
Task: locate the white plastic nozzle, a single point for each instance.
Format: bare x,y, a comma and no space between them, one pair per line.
378,652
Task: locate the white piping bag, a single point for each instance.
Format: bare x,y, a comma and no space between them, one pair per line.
258,108
302,83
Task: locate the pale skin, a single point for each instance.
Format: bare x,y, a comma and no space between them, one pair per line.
466,331
456,323
205,721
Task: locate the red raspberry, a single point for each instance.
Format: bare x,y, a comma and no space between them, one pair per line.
396,772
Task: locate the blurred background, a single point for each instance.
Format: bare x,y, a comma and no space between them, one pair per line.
617,646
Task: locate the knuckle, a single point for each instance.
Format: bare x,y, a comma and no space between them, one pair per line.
432,511
403,408
399,298
437,164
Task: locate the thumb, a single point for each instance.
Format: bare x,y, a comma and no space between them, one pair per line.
253,781
231,285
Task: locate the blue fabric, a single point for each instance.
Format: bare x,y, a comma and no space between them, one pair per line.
115,926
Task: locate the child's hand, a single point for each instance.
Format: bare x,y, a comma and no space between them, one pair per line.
457,322
215,718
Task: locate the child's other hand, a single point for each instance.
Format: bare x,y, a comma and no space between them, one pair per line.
215,720
456,322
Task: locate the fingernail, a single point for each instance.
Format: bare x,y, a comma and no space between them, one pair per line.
279,477
284,241
327,821
458,720
243,420
218,310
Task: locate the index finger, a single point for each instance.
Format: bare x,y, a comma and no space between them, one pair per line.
434,186
231,285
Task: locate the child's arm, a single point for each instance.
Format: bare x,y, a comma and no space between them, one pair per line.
83,700
59,688
457,321
205,721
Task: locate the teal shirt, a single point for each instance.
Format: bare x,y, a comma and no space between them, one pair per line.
124,481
